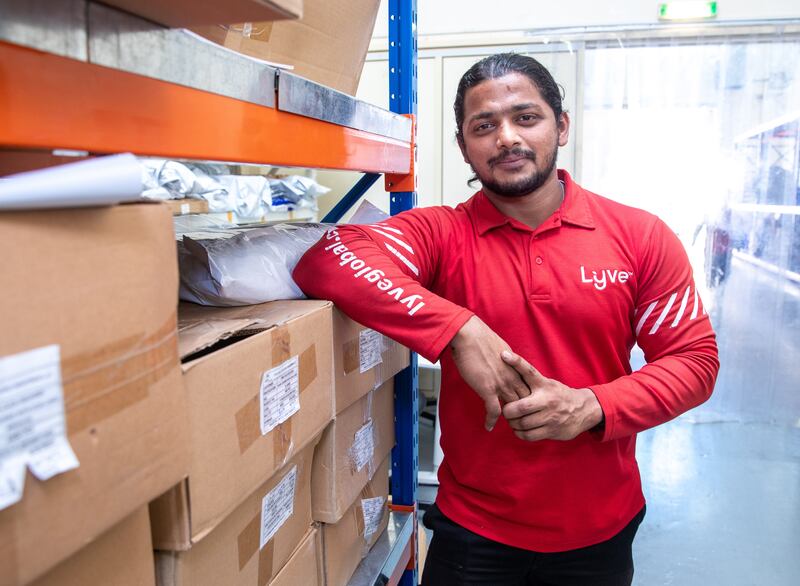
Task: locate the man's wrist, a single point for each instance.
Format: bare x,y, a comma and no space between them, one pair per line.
594,416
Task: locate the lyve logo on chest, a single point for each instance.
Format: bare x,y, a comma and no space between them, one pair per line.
605,276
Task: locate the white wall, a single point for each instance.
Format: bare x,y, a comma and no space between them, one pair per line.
436,17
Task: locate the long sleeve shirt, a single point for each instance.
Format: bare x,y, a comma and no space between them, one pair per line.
572,297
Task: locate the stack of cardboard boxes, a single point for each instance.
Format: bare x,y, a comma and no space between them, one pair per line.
268,452
259,436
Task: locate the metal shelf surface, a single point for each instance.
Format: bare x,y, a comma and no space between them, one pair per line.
83,106
388,555
107,68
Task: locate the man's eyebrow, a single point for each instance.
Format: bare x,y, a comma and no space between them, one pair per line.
527,106
515,108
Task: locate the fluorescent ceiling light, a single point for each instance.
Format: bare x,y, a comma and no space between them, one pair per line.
687,10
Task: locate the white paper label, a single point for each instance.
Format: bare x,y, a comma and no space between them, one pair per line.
363,446
280,394
370,345
277,506
373,513
33,430
185,209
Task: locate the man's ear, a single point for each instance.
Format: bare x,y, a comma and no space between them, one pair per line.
563,129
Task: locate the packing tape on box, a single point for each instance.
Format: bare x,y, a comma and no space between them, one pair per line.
248,418
102,383
282,443
281,344
248,546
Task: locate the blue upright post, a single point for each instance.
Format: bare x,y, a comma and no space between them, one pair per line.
403,100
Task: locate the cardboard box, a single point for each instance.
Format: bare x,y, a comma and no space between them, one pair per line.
278,354
305,566
99,285
327,45
182,13
347,542
239,551
182,207
363,359
123,556
351,449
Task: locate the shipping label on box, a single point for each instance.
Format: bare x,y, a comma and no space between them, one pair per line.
33,431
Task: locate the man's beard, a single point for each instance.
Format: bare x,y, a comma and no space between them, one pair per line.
525,185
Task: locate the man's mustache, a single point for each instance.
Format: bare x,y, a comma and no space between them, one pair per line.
512,154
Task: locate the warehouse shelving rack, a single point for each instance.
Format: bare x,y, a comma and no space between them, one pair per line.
80,76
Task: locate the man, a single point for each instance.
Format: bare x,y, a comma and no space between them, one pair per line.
532,294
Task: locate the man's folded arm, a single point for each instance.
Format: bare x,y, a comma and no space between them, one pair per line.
379,275
674,331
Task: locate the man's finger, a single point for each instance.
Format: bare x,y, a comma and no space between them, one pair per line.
521,408
532,435
529,374
527,422
493,412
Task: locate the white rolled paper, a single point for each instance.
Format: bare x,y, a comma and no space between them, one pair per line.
91,182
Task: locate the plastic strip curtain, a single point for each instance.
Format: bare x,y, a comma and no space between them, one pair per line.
706,134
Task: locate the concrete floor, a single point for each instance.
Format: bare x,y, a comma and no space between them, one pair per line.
723,481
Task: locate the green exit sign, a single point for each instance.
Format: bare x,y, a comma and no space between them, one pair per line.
687,10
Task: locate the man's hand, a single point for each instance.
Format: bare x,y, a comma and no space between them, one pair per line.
476,353
552,410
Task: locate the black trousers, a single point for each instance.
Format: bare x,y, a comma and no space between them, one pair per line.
457,556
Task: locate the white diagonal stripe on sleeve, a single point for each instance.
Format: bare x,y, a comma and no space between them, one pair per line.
694,310
393,239
647,313
682,308
389,228
664,313
403,259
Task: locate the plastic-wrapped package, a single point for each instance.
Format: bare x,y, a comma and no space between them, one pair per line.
243,266
248,196
295,190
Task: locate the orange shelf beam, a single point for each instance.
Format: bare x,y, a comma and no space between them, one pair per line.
49,102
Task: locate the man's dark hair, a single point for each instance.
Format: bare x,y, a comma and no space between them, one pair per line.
503,64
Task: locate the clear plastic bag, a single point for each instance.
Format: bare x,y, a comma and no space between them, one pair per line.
244,266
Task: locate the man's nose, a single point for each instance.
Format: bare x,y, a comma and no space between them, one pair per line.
507,136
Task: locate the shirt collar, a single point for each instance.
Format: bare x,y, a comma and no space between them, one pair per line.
573,210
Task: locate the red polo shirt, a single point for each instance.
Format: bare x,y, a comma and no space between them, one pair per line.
571,297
